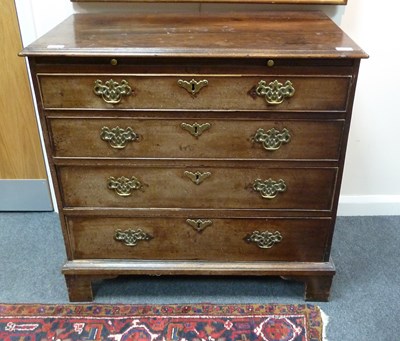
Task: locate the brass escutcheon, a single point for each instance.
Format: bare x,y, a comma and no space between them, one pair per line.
111,92
269,189
198,224
264,240
193,86
123,186
118,137
275,93
272,139
195,129
131,237
197,177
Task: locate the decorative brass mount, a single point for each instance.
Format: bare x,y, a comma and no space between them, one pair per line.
264,240
197,177
193,86
272,139
195,129
112,91
199,225
269,189
123,186
275,92
118,137
131,237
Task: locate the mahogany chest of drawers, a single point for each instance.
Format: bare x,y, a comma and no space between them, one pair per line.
209,144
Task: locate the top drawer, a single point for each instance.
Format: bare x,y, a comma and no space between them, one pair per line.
194,92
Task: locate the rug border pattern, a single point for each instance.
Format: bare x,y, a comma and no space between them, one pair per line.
311,312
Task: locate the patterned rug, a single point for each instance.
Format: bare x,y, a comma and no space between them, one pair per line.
200,322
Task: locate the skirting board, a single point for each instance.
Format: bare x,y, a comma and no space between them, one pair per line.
369,205
25,195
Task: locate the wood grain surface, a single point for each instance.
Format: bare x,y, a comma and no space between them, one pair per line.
271,34
224,240
226,138
20,151
222,93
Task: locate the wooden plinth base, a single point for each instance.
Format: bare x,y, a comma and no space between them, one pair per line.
80,274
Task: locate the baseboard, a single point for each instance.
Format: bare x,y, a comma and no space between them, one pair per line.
25,195
369,205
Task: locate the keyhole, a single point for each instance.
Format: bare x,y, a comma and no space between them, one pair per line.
196,130
197,177
193,88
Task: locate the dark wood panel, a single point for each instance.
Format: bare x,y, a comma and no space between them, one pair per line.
175,239
160,92
166,138
169,187
185,65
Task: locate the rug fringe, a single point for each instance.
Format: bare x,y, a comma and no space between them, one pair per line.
325,321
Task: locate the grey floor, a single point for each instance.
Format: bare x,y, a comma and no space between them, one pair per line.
365,299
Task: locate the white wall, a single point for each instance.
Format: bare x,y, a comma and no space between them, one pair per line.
372,172
371,183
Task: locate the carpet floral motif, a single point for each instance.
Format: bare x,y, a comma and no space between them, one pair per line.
202,322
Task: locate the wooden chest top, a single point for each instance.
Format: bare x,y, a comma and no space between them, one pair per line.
240,35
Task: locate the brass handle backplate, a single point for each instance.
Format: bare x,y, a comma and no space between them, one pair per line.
269,189
195,129
112,91
118,137
123,186
264,240
193,87
275,92
197,177
272,139
198,224
131,237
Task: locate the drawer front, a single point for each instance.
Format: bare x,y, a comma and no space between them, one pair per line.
221,92
219,239
204,138
198,187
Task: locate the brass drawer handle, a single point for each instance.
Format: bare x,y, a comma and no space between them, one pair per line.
195,129
264,240
123,186
198,224
112,91
275,92
131,237
269,188
197,177
272,139
193,86
118,137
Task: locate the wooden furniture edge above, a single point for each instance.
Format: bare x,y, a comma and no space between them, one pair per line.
283,2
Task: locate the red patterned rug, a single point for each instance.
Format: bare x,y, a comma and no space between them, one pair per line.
199,322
